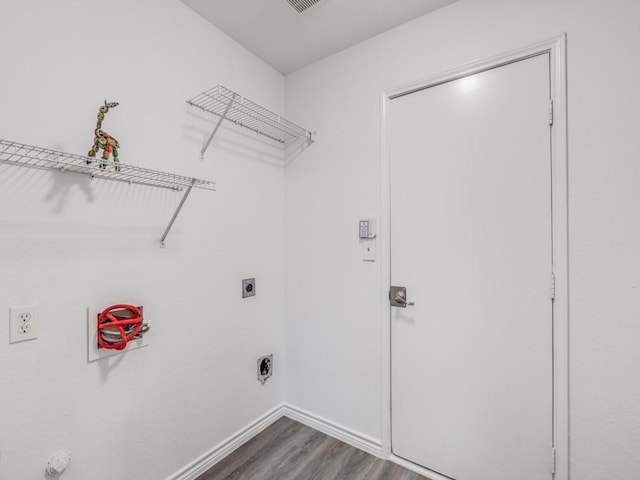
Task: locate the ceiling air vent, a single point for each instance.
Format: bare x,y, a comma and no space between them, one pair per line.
302,5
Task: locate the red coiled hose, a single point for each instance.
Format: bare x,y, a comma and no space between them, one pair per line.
126,327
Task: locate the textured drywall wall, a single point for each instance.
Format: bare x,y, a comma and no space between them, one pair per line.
67,242
332,310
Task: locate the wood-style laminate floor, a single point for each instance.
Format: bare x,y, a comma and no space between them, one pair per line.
288,450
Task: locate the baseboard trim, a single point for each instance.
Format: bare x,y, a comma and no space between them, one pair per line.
226,447
217,453
416,468
346,435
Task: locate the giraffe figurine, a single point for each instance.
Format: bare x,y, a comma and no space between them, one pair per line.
103,140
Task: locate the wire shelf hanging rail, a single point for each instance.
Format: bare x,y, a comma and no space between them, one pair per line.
23,155
229,105
20,154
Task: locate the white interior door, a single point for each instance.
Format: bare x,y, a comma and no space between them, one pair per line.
471,240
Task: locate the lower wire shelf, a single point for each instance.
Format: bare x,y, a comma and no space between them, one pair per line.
22,155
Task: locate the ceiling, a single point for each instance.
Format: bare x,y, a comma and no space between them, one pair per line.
287,40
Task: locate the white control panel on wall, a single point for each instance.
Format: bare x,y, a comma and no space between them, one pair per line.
367,235
367,228
23,323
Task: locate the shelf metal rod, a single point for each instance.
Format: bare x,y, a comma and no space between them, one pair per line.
175,215
215,130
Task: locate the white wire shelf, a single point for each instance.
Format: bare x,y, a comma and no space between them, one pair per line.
19,154
22,155
228,105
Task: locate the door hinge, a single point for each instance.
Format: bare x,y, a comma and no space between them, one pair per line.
550,111
553,460
553,286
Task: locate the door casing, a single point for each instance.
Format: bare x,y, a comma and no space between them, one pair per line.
556,47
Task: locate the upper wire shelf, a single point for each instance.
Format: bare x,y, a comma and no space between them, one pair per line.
14,153
226,104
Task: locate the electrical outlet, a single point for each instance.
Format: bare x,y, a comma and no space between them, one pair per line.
248,287
24,328
23,323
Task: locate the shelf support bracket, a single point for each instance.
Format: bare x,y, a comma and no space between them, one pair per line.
175,215
215,130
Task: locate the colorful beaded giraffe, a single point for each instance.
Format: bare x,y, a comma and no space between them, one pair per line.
103,140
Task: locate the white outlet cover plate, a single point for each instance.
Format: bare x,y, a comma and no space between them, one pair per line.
18,323
369,250
93,352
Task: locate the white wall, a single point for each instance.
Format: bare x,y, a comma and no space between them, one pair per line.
332,327
67,242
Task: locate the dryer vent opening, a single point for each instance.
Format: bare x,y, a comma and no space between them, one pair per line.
265,368
302,5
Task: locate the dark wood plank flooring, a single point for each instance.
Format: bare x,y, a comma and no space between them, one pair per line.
288,450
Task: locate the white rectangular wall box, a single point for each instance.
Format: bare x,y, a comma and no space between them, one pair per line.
369,250
367,235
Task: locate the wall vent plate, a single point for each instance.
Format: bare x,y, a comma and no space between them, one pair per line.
265,367
248,287
94,351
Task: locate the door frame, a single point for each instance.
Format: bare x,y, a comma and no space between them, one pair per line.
556,48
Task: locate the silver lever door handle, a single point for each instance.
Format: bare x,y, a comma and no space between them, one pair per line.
403,301
398,297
